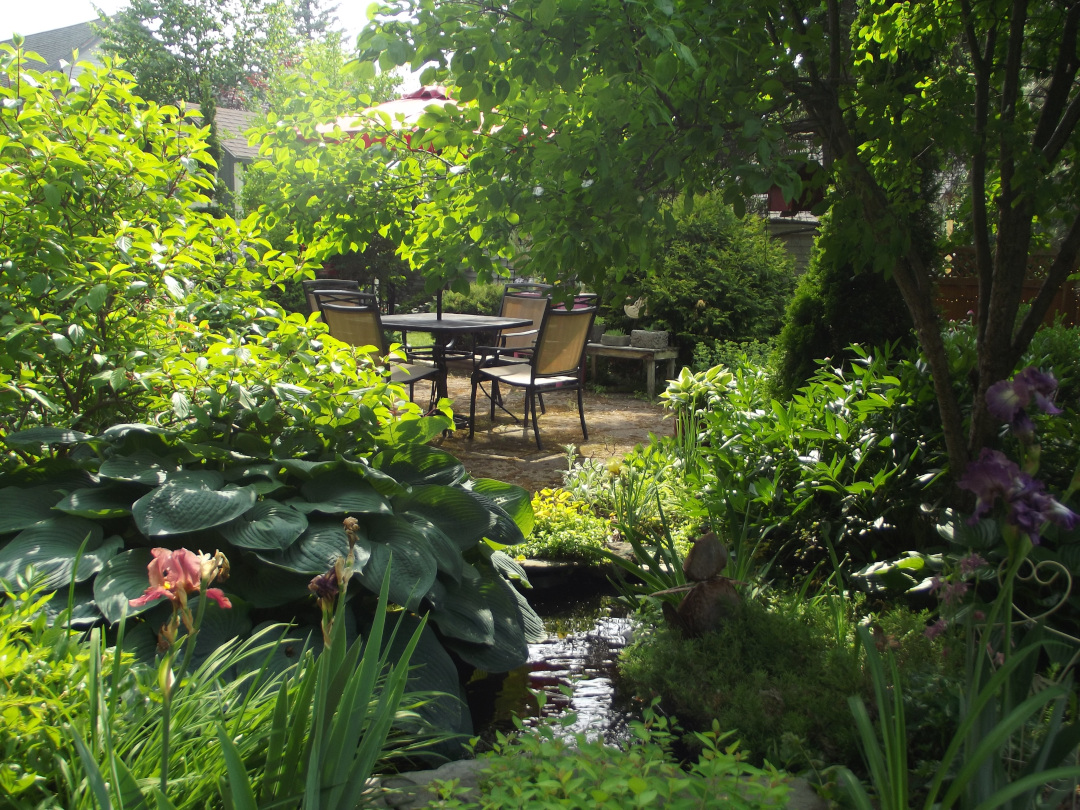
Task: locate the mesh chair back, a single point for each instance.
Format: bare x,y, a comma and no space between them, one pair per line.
357,323
560,346
310,285
522,304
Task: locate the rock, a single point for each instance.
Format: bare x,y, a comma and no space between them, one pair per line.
707,558
706,607
412,791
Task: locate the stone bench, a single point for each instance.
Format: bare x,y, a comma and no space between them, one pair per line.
650,357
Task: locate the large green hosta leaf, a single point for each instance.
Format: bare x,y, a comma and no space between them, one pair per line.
51,548
121,579
421,464
263,478
36,437
340,493
503,530
460,609
188,504
268,586
267,525
456,512
431,670
447,554
512,499
510,648
21,508
99,502
316,549
414,568
139,468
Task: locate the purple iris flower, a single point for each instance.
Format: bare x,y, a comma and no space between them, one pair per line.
1008,400
994,475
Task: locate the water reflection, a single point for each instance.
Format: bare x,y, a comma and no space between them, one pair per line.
574,668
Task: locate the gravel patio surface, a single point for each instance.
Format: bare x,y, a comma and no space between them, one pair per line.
504,451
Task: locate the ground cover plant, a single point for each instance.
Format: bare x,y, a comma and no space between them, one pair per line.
564,529
767,673
544,769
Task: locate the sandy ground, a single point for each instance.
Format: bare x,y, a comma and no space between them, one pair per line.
504,451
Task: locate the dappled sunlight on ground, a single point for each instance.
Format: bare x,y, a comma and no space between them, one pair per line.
503,450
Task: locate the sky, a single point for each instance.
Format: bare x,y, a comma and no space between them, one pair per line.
34,16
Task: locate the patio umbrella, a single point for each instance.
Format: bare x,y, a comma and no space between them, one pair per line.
404,113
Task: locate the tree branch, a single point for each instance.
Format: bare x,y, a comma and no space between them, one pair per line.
1064,265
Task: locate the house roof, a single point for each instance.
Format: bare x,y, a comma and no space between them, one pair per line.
231,125
61,43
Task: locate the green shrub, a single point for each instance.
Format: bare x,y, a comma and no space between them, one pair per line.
722,278
731,353
564,529
44,685
481,299
106,245
847,460
837,302
540,769
767,673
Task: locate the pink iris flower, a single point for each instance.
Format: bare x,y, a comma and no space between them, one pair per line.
174,575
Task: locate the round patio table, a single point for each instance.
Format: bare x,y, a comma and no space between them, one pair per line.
446,327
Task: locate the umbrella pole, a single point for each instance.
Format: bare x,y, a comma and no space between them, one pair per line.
438,305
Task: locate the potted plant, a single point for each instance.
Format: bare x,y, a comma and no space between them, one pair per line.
648,339
615,337
597,330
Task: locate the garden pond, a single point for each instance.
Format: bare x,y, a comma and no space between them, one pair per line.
573,669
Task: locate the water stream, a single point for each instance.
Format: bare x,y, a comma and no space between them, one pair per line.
573,668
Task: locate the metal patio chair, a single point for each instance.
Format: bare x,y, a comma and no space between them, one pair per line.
557,363
353,318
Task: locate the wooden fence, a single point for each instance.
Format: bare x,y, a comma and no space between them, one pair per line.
958,292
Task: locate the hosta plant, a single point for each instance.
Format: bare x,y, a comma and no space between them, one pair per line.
91,514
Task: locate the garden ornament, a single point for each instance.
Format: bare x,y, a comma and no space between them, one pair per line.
713,598
707,558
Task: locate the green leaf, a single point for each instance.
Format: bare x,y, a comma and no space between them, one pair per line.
267,525
268,586
139,467
241,793
53,198
340,493
447,554
21,508
36,437
51,548
546,11
461,611
180,506
512,499
420,464
510,649
96,298
316,549
454,511
98,502
414,567
122,578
